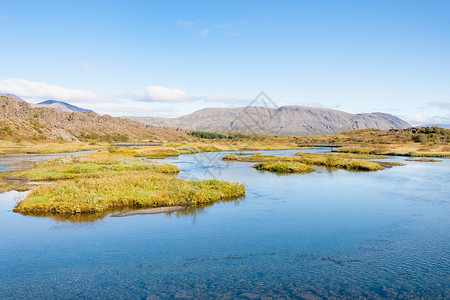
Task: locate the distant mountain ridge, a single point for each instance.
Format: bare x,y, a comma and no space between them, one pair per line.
58,105
12,96
62,106
285,121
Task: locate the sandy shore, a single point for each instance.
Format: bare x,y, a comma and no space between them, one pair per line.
149,211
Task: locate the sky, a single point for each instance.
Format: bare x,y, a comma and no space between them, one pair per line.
171,58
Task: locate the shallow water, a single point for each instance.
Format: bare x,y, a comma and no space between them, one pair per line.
333,234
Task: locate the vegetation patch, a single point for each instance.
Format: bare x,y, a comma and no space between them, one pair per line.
127,189
14,184
360,156
148,152
188,150
325,160
284,167
93,165
424,160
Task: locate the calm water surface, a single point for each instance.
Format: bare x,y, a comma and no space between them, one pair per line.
322,235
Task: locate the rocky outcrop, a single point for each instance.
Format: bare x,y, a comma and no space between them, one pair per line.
21,120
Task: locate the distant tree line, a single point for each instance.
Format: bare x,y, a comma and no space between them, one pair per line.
217,136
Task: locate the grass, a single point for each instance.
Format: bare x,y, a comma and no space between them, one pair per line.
92,165
359,156
325,160
48,148
188,150
14,184
127,189
284,167
425,160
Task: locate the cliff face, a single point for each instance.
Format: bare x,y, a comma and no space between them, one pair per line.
286,120
18,119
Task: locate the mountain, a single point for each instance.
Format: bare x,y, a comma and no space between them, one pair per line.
19,120
62,106
285,121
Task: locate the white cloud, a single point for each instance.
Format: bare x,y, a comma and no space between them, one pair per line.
419,119
160,94
42,91
441,105
84,66
116,108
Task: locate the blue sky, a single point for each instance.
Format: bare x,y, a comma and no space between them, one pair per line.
169,58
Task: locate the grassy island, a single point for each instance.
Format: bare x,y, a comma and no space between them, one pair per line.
284,167
324,160
105,181
424,160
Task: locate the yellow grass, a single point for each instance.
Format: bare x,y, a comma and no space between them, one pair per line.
127,189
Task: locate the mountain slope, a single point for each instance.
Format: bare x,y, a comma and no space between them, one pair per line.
21,121
62,106
286,120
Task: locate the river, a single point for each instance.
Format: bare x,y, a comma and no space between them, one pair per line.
328,234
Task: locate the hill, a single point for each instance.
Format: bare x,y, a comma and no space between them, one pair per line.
285,121
62,106
19,120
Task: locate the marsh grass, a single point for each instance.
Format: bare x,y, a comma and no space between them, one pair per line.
93,165
424,160
48,148
8,184
412,150
188,150
357,155
325,160
148,152
126,189
284,167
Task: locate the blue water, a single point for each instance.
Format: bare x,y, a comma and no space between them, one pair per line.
321,235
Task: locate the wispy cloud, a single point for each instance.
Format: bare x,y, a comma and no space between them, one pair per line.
160,94
84,66
42,91
206,28
204,31
441,105
185,23
226,99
